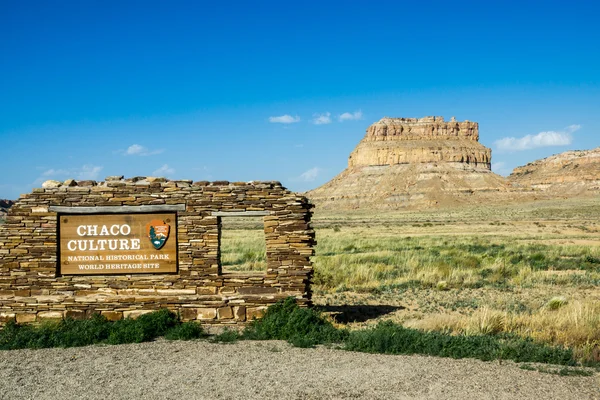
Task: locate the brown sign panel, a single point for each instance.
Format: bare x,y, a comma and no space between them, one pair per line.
118,244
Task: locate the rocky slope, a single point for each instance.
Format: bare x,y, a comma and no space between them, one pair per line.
566,174
410,162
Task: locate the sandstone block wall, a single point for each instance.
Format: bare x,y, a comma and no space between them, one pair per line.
31,290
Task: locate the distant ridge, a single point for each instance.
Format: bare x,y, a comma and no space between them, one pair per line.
566,174
417,163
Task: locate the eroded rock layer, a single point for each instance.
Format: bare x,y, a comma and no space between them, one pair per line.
563,174
410,140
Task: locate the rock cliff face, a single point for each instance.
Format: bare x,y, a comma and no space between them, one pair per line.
410,162
426,140
563,174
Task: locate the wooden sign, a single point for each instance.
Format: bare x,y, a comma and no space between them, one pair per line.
117,244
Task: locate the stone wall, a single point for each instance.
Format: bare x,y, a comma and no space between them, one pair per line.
31,290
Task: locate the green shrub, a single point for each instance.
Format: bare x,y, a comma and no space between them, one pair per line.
227,336
72,333
142,329
75,333
66,333
390,338
186,331
592,259
15,336
302,327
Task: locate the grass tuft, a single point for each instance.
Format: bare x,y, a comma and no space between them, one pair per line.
557,302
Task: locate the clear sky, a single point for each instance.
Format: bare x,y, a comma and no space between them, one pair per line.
281,90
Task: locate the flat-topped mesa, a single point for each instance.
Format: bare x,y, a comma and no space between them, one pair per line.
414,162
393,141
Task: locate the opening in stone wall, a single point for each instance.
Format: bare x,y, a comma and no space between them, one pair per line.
242,244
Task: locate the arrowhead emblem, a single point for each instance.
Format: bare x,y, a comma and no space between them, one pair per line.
158,232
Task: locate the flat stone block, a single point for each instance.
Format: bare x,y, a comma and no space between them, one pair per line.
255,312
176,292
26,318
239,313
50,315
207,313
257,290
6,316
227,290
224,313
75,314
135,313
188,314
206,290
112,315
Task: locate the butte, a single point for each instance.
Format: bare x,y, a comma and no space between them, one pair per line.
414,163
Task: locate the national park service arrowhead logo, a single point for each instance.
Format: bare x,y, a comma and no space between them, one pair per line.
158,232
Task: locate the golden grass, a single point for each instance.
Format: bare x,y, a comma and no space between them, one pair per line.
243,244
361,260
472,270
575,325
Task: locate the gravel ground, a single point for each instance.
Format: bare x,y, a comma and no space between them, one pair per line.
268,370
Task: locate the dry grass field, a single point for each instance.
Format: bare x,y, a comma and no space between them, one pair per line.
531,270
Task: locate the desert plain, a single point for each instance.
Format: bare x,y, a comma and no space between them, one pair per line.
528,269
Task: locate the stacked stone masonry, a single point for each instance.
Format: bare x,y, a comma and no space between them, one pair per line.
31,289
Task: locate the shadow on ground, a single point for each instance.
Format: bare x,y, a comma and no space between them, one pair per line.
357,313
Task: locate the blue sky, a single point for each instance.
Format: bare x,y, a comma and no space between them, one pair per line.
282,91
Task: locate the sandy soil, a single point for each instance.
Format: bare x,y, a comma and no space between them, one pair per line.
268,370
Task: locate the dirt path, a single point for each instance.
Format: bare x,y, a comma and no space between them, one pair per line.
267,370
